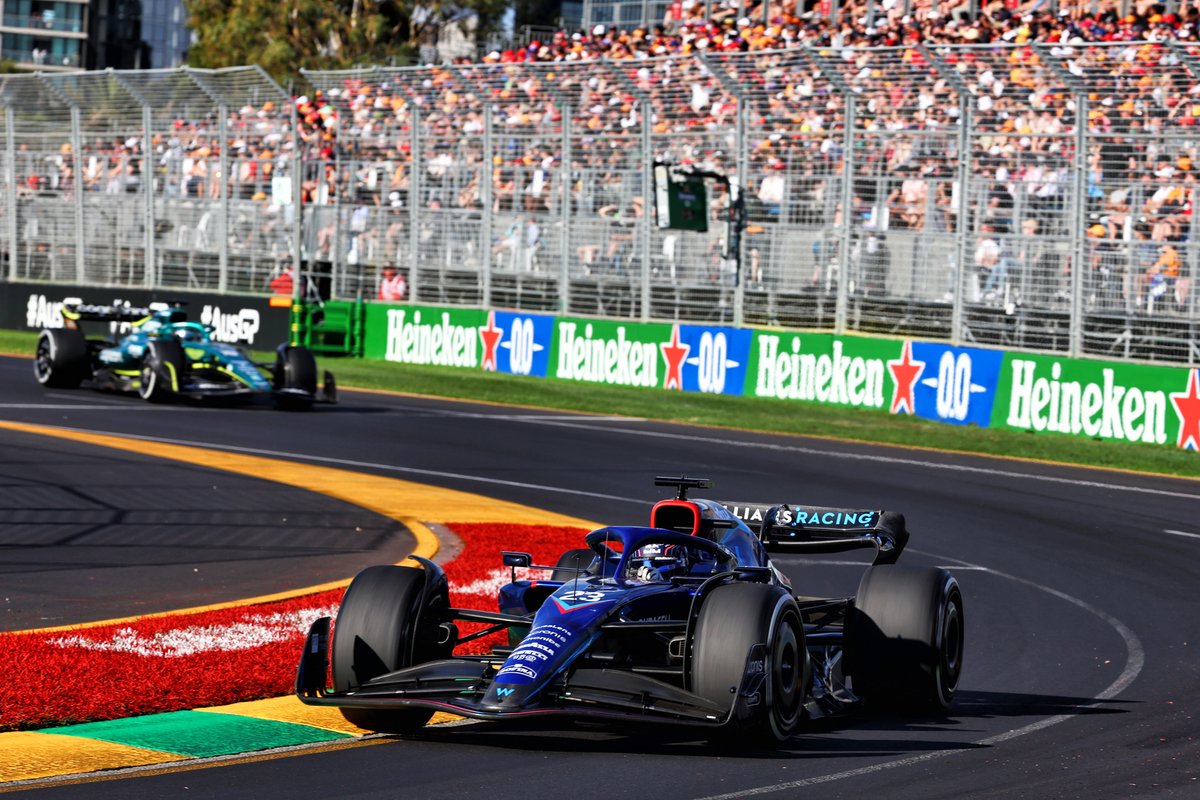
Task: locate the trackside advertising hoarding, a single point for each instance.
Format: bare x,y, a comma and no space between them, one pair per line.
955,385
1097,399
245,320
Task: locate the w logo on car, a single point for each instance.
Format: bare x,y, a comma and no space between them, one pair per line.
504,692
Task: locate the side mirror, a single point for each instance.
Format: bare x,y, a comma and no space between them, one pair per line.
514,560
517,559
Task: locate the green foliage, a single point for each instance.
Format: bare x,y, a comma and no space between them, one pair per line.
317,34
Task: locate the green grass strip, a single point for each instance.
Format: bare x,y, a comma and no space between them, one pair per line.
199,734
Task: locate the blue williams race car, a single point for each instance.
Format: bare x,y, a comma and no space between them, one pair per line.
162,356
683,622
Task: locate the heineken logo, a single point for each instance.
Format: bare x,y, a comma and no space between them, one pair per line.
585,356
413,340
786,373
1187,408
1107,409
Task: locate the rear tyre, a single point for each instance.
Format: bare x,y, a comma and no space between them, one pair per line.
905,638
569,562
385,625
735,619
296,375
61,358
162,371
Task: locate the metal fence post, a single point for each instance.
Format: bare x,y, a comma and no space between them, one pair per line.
645,112
489,221
829,69
414,202
1078,242
847,192
77,162
150,256
297,205
223,196
565,212
962,223
743,170
10,190
338,246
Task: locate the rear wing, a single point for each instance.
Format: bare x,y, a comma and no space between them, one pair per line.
86,311
820,529
74,313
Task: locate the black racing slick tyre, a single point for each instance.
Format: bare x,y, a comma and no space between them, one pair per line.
904,643
61,358
295,377
388,620
750,638
569,562
162,371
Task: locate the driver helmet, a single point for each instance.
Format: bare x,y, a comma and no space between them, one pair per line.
657,563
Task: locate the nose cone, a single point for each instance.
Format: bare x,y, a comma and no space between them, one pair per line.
506,696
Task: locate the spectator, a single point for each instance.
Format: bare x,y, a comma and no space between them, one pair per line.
284,283
393,286
988,266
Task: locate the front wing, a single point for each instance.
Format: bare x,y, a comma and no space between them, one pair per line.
457,685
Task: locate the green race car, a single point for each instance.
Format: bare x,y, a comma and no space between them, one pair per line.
159,354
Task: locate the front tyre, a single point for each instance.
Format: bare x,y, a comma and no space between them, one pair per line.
750,639
905,638
61,358
387,621
162,371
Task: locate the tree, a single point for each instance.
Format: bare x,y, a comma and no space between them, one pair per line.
284,37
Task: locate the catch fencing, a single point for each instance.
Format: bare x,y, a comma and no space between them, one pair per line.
1036,197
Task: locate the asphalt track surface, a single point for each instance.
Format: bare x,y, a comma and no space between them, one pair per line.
1082,671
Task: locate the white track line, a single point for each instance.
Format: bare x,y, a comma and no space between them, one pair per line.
1183,533
1134,662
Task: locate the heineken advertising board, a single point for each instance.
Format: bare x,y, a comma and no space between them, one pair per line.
1100,400
496,341
956,385
691,358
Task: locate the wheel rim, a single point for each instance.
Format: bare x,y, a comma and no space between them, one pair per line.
149,377
787,671
42,360
950,660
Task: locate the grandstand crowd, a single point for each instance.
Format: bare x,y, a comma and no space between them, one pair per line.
355,132
887,24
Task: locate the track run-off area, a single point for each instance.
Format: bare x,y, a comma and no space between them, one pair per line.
1081,671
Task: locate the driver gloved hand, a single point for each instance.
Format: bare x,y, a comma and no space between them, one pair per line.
648,574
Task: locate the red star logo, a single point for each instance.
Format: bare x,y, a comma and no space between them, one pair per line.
674,353
490,336
905,372
1187,407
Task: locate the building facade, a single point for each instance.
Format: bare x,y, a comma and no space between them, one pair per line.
64,35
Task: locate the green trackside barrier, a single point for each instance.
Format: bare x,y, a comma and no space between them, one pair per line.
333,328
959,385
